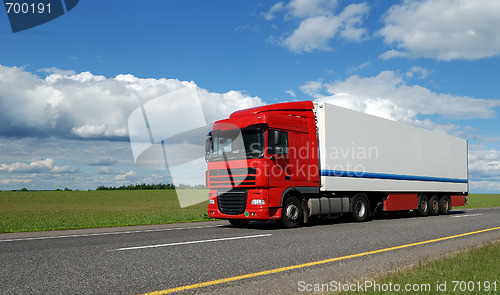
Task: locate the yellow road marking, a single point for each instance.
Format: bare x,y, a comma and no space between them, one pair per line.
276,270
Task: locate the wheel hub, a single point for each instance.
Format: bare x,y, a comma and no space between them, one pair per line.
292,212
360,209
423,205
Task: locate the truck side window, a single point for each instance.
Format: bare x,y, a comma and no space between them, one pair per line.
283,142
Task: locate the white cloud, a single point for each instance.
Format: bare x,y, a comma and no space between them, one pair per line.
39,166
313,33
320,24
393,54
33,167
84,105
105,170
64,169
357,68
419,71
484,162
90,130
54,70
311,8
352,20
387,95
484,169
83,160
291,92
15,181
485,186
443,29
79,117
274,9
312,88
84,153
316,32
125,176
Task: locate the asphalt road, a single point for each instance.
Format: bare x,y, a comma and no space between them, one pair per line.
143,259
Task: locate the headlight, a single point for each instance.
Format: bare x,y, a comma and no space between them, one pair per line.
211,201
258,202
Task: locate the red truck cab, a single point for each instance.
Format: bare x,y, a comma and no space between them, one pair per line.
258,158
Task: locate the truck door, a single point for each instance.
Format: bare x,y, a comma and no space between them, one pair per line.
278,152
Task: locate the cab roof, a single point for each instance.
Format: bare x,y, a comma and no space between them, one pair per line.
285,106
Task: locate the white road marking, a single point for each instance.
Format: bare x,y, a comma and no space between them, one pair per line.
467,215
192,242
109,233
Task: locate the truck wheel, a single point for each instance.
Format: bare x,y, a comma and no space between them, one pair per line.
239,222
444,205
434,205
423,206
360,208
292,215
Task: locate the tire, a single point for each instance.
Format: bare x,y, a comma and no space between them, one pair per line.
444,205
434,205
292,215
239,222
423,206
360,208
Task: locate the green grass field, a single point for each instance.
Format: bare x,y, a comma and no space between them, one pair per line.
482,201
474,271
54,210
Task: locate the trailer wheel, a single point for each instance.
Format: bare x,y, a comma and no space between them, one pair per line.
292,215
239,222
434,205
423,206
444,205
360,208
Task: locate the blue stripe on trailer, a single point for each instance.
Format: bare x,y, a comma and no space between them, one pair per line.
358,174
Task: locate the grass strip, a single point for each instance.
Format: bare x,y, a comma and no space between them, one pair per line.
56,210
474,271
481,201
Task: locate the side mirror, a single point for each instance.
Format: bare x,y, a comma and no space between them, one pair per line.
207,147
276,137
278,149
207,144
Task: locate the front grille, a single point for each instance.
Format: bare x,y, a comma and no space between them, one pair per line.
235,177
232,202
233,171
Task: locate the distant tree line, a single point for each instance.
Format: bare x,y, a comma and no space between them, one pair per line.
57,190
141,186
144,186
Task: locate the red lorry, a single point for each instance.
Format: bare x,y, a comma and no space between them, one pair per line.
291,161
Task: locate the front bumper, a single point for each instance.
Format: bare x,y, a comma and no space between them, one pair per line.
218,205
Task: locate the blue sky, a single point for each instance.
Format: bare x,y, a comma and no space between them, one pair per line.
68,86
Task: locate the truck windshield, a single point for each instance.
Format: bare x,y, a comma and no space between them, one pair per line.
225,145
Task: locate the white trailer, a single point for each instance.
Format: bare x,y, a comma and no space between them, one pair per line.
361,152
371,164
